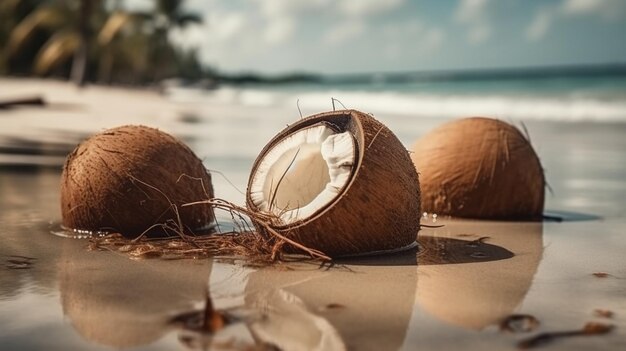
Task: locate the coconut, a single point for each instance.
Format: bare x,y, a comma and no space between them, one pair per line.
339,182
134,179
479,168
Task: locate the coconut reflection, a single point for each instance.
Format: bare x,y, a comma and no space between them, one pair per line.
308,308
114,301
288,324
475,273
469,274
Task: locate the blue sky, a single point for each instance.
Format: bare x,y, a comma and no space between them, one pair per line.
339,36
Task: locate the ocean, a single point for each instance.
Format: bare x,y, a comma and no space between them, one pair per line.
554,95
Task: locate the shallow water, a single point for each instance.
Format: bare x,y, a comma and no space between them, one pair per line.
466,278
451,294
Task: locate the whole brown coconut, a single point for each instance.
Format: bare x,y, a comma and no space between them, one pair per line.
131,178
479,168
339,182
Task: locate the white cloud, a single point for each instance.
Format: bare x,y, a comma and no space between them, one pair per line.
216,27
351,8
280,30
344,32
225,26
279,18
608,9
471,10
433,39
280,8
364,8
539,25
473,14
422,38
410,27
187,38
545,17
581,6
246,34
138,5
479,33
239,28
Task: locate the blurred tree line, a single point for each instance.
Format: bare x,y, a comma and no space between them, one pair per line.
96,41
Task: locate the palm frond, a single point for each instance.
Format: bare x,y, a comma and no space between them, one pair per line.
57,49
9,6
43,17
114,24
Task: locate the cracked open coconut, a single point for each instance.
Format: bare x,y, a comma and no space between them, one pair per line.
339,182
479,168
133,180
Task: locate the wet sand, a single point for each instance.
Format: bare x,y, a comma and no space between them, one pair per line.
452,293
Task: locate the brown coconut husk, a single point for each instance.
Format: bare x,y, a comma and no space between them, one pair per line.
479,168
256,248
133,180
152,197
378,209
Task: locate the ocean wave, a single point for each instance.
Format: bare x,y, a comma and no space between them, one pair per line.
569,107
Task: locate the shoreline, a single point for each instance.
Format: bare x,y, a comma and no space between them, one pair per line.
227,137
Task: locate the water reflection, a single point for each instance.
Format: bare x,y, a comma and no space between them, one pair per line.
362,308
476,294
470,274
24,222
111,300
288,324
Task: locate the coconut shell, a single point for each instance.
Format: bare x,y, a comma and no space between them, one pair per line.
479,168
129,178
379,207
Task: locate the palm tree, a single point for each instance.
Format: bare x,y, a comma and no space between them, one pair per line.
121,57
72,24
85,32
79,65
167,16
69,35
11,13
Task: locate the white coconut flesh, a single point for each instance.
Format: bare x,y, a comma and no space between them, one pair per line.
303,173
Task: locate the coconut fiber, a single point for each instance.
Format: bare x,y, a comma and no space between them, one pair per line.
479,168
134,179
378,209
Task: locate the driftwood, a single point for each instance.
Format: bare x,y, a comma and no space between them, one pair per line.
26,101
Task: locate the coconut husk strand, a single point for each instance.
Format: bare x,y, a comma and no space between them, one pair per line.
372,207
479,168
134,180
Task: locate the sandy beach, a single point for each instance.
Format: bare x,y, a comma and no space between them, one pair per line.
465,279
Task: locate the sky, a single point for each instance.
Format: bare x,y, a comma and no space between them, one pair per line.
358,36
